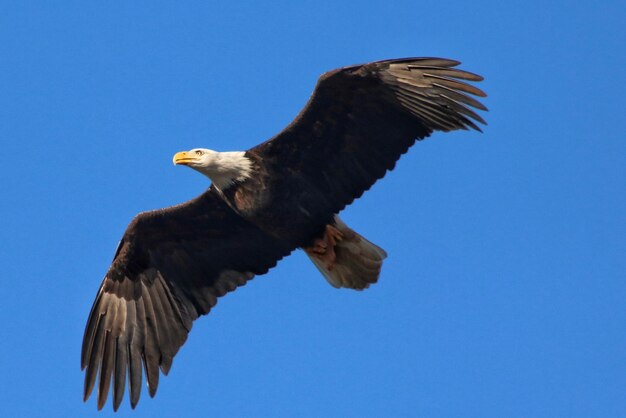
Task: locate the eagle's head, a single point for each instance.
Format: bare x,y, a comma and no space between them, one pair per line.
198,158
223,168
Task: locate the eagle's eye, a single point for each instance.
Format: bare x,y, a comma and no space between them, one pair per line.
198,152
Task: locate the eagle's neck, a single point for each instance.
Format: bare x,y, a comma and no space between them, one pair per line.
227,168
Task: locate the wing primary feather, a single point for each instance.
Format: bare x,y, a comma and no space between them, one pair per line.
187,309
427,105
151,354
112,329
152,373
134,375
440,112
90,329
119,382
171,305
94,359
447,72
135,351
459,107
457,85
426,61
433,118
469,123
460,97
168,332
108,358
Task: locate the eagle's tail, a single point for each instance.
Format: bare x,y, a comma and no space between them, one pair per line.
351,261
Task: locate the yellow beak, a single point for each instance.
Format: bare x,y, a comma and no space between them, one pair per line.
183,158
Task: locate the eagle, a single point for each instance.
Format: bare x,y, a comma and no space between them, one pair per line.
173,264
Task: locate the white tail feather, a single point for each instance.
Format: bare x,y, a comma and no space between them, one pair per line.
358,261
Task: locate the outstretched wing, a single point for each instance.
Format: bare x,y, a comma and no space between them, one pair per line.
361,119
170,267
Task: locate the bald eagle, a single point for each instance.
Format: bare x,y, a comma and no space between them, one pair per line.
172,264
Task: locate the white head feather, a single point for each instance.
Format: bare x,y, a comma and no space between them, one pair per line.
223,168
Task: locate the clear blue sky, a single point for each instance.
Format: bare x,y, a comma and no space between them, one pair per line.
504,294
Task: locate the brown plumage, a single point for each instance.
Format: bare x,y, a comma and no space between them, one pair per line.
173,264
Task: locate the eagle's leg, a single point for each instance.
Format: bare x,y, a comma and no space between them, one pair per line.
324,248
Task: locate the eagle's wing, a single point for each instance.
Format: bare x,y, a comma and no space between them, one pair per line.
361,119
170,267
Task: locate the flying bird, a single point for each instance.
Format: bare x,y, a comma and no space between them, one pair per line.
173,264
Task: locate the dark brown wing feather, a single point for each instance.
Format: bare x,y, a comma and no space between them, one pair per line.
361,119
170,268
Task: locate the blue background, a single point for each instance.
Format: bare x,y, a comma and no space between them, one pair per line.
504,294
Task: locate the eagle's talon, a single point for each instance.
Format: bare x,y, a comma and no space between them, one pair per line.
324,248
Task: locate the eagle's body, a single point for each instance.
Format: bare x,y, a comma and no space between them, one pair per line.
261,199
172,264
